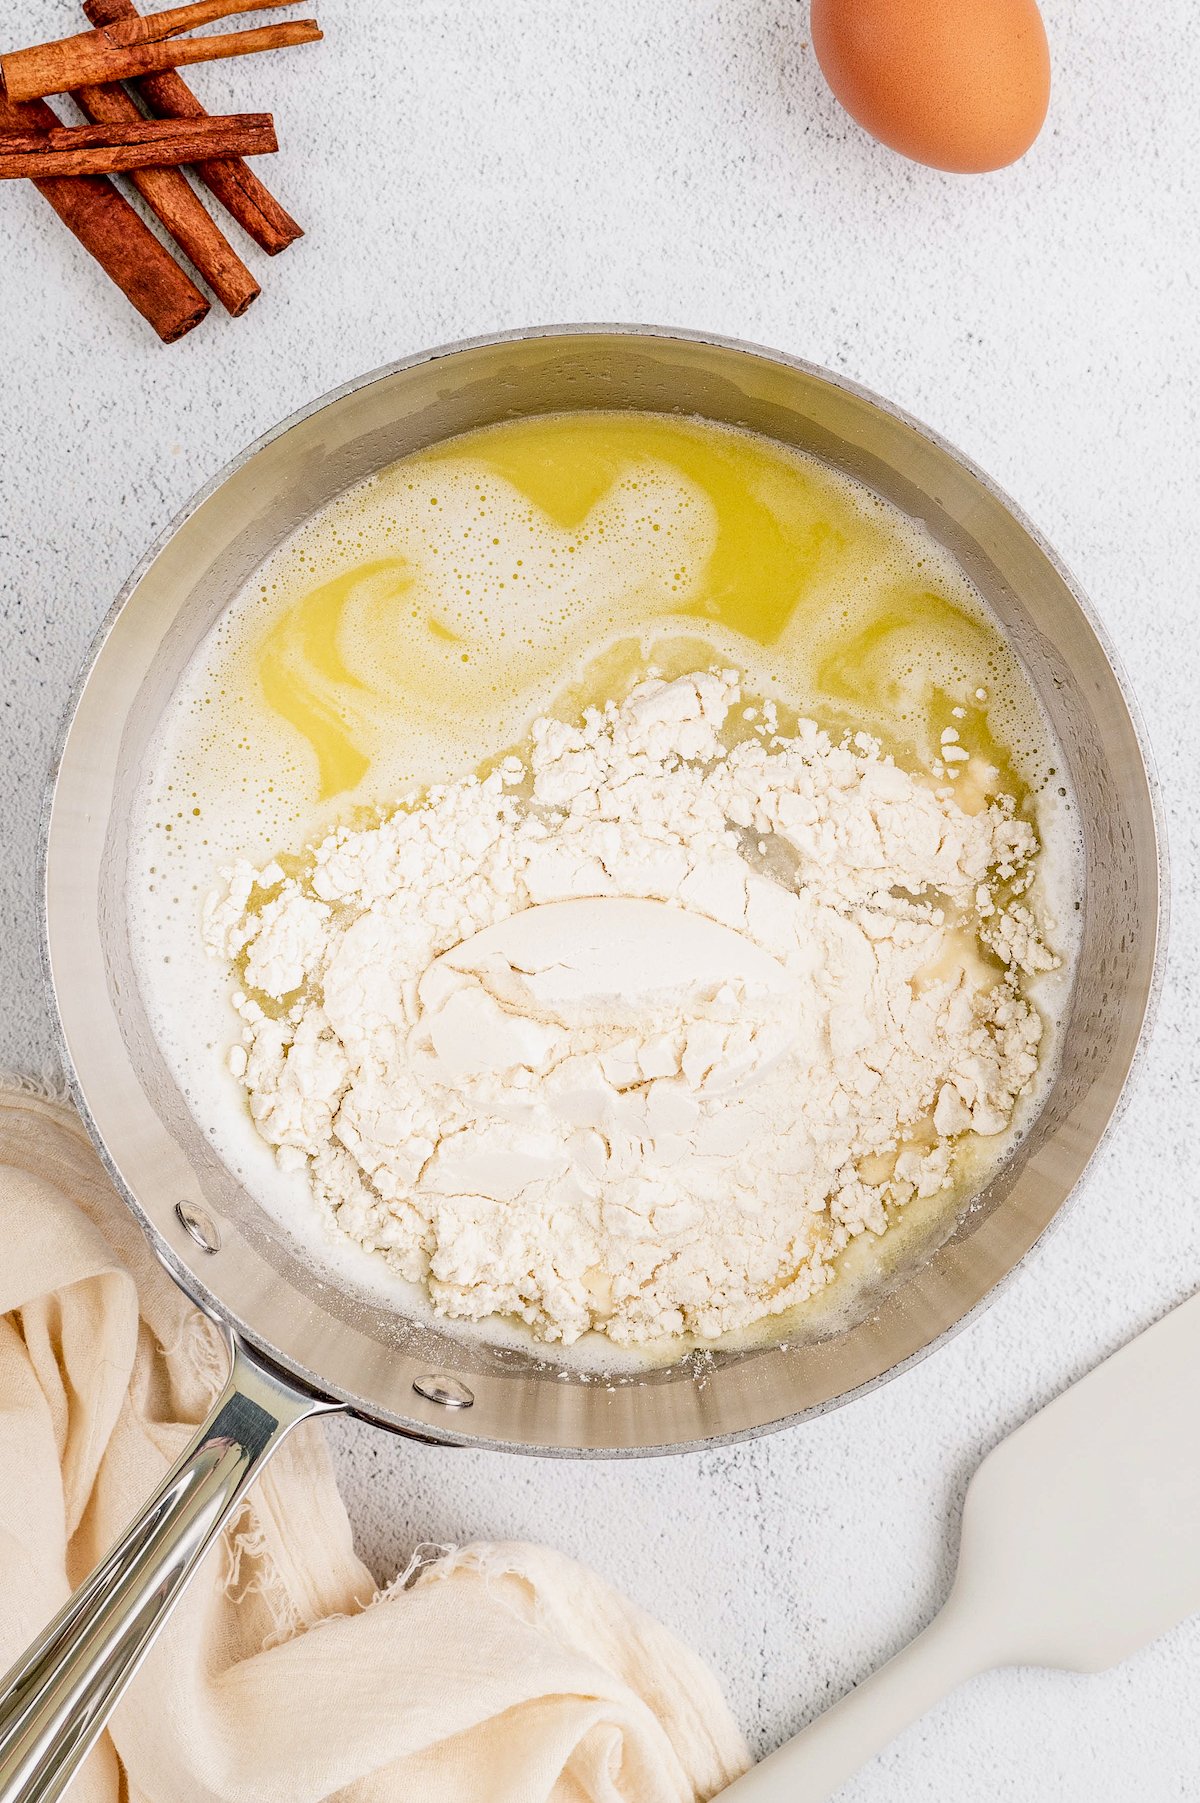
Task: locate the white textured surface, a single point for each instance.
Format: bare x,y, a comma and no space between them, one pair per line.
475,164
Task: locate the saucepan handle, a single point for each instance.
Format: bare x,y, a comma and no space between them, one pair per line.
56,1700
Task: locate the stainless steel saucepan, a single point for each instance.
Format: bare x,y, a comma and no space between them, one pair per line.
302,1343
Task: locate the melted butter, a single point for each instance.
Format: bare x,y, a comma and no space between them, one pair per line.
533,560
777,522
305,679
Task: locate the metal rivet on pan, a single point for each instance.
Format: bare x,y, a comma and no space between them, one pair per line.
201,1226
436,1386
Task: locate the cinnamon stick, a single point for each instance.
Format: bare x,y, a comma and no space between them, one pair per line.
92,57
150,28
108,228
171,197
150,143
228,179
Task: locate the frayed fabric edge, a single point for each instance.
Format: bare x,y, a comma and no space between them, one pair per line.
244,1541
425,1555
49,1085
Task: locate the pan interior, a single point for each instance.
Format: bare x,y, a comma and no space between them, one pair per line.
343,1341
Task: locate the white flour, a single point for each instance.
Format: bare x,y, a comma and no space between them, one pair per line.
637,1035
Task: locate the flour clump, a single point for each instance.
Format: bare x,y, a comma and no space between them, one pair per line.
637,1031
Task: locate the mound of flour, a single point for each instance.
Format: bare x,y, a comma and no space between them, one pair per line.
636,1034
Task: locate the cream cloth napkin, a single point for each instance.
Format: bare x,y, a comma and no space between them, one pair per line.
503,1674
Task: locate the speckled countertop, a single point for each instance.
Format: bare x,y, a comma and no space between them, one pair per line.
468,166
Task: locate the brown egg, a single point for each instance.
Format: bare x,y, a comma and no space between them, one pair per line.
960,84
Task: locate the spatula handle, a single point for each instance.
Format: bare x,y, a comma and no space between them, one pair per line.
814,1764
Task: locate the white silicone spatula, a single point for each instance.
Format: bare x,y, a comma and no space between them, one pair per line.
1080,1543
